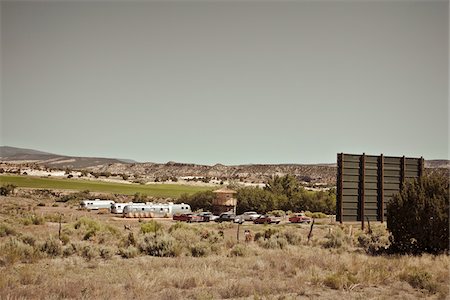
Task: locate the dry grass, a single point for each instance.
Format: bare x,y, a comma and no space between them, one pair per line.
204,262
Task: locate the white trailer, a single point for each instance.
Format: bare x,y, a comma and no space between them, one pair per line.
151,210
96,204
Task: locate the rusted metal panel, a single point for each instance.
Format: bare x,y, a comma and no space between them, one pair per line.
367,182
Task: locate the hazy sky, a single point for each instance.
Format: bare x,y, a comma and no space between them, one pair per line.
230,82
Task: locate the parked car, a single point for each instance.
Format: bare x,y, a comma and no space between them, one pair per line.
265,219
187,218
208,216
225,217
300,218
239,219
250,215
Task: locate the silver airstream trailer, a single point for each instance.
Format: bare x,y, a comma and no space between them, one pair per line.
96,204
117,208
154,210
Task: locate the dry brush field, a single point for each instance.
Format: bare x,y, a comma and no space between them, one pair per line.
97,258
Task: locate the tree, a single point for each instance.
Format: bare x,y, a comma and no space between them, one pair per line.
256,199
7,189
286,185
418,216
199,200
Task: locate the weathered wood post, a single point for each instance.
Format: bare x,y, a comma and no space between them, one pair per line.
310,234
237,235
59,229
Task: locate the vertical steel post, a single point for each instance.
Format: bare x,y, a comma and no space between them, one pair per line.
402,172
340,189
381,185
421,166
363,188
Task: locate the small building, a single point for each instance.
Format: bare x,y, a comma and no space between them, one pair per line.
224,201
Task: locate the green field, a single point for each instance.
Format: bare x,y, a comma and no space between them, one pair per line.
155,190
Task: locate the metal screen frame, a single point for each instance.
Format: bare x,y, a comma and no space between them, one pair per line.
365,183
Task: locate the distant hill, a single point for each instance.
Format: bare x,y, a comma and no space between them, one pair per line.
253,173
437,164
21,155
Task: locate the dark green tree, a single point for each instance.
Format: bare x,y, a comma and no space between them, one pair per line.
418,216
199,200
256,199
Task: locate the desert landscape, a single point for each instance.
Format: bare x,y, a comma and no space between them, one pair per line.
95,257
215,149
52,249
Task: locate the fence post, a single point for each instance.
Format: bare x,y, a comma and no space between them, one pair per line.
237,235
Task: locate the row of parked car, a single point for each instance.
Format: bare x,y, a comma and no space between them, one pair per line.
247,216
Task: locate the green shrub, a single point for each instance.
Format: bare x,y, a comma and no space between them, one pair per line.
14,250
420,279
85,222
69,250
110,230
55,218
33,219
186,236
5,230
52,247
7,189
274,242
200,249
292,236
162,245
239,250
131,240
418,216
89,252
106,252
179,225
91,227
340,280
334,239
376,242
128,252
150,227
212,236
29,240
65,239
89,234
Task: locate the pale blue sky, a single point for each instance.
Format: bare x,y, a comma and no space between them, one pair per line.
226,82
